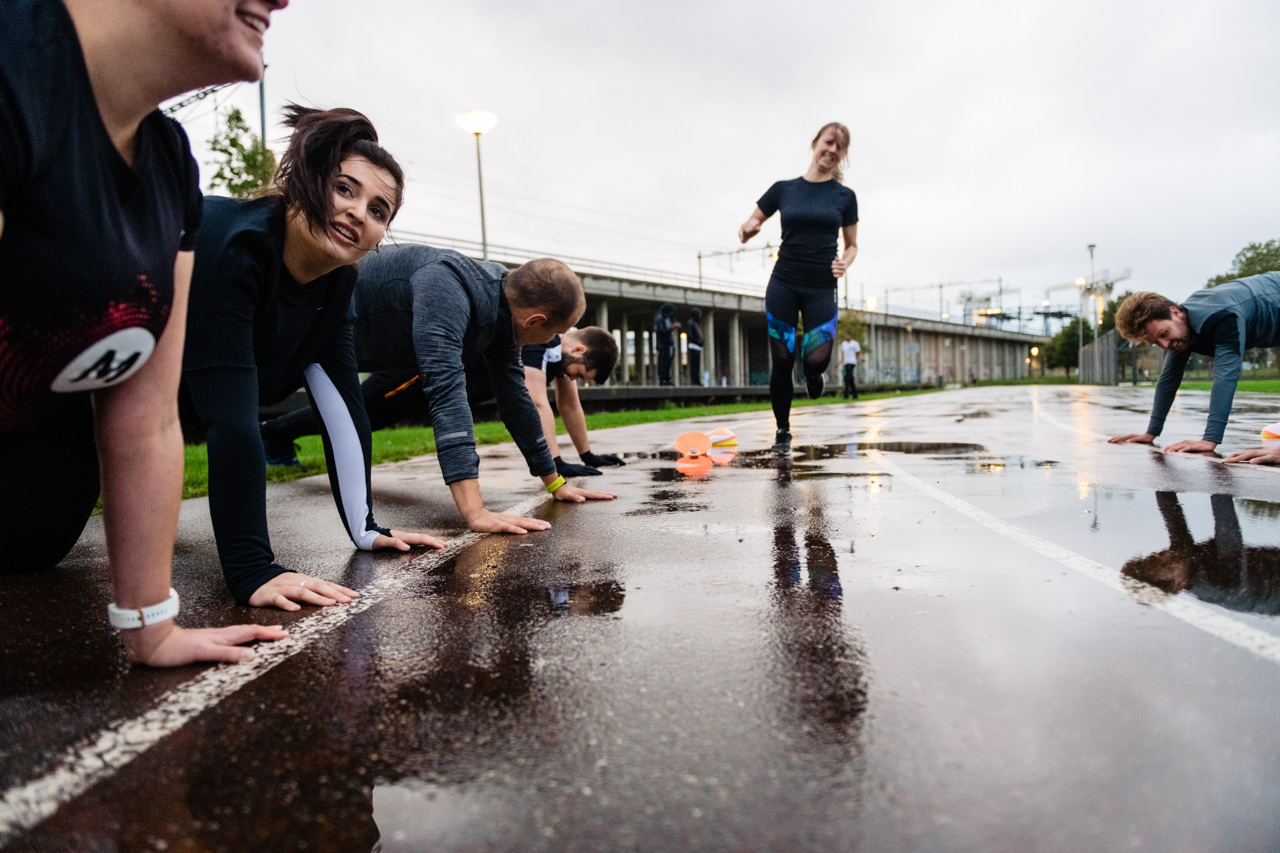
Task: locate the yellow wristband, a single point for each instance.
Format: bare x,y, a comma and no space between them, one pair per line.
555,484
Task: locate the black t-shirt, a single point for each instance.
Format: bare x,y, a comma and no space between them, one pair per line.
812,216
545,357
89,241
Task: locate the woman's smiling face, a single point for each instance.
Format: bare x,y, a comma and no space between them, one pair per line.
362,207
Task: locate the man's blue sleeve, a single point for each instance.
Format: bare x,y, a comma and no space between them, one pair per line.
1170,378
1228,335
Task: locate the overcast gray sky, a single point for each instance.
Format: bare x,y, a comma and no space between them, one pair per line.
990,139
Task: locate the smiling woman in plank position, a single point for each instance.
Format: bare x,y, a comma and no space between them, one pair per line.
271,311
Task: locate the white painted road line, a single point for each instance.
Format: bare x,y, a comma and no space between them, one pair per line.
99,756
1180,607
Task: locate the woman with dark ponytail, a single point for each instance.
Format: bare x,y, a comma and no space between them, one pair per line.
271,312
815,207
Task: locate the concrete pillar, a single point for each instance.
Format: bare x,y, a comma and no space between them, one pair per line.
602,315
677,361
735,350
709,346
624,355
643,359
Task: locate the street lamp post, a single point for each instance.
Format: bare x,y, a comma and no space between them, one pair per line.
1080,283
1093,293
478,122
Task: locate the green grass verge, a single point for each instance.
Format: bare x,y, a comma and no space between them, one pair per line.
1257,386
400,443
1029,380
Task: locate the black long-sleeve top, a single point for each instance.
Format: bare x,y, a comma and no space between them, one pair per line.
254,335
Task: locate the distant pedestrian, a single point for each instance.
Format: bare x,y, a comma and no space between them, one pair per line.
816,208
693,337
664,338
849,350
270,312
101,204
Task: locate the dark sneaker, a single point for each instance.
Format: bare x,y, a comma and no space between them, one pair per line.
782,446
281,452
815,385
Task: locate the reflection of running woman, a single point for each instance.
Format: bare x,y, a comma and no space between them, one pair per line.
849,359
815,208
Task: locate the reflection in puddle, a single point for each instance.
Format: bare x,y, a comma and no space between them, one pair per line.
840,475
663,501
1262,510
1221,570
999,464
819,663
918,447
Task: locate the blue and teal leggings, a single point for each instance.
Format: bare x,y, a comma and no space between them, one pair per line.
784,305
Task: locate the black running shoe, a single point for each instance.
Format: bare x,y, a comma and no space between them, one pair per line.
281,452
782,446
815,385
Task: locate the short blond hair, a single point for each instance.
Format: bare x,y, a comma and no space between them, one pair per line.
1138,310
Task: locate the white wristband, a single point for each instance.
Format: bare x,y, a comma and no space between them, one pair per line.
123,618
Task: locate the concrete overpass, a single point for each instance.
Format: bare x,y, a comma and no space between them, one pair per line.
897,349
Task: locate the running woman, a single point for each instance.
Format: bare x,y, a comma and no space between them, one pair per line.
816,208
99,206
271,310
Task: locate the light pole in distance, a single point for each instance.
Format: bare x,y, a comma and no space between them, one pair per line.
478,122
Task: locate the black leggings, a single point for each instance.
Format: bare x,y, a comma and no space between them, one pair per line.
784,305
390,397
48,487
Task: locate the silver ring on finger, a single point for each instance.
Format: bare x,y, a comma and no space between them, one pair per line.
303,583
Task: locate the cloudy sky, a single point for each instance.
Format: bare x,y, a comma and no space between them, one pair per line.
991,140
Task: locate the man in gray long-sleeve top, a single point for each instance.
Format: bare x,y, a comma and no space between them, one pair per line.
1221,322
438,312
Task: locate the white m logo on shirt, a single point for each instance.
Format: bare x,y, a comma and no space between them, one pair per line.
108,362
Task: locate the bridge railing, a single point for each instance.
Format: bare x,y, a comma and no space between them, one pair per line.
512,254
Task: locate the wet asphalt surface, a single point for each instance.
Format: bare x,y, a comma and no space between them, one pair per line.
958,621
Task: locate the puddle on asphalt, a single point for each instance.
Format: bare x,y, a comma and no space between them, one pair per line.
840,475
1222,550
918,447
1000,464
664,501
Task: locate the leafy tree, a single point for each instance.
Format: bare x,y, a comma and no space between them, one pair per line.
848,322
245,164
1063,349
1253,259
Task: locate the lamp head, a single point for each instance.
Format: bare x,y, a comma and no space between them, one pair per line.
476,121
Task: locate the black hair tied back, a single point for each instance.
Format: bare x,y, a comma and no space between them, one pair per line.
321,140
